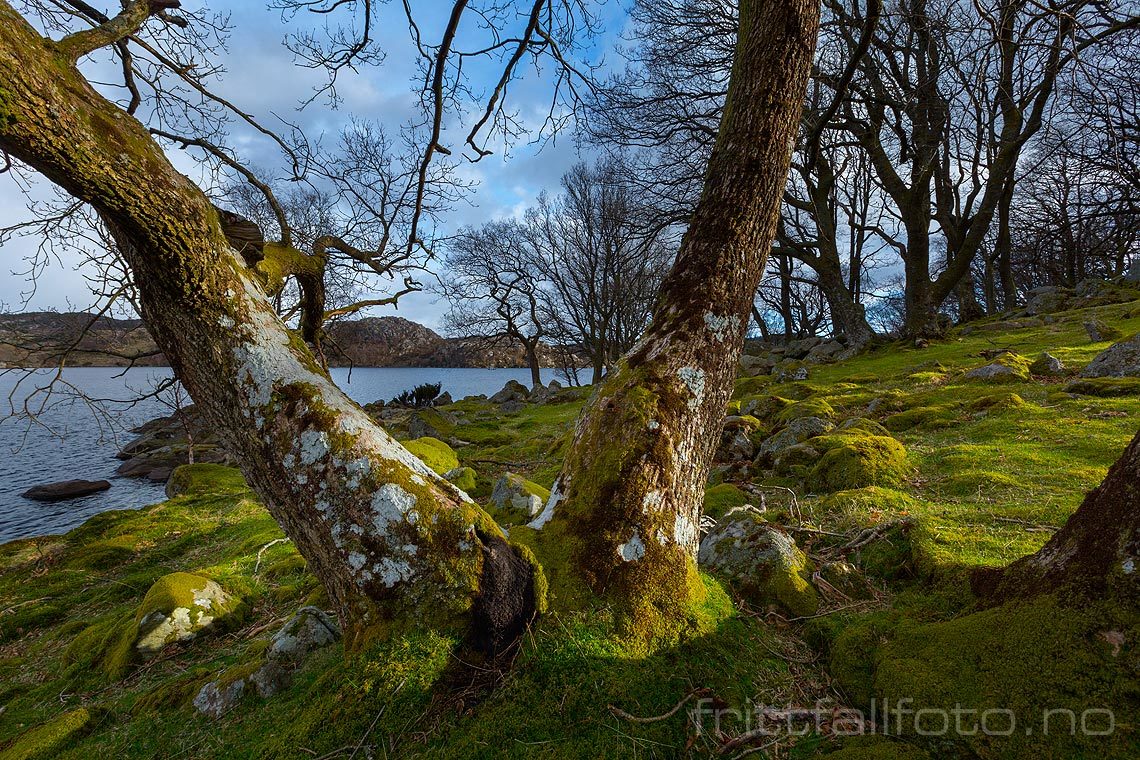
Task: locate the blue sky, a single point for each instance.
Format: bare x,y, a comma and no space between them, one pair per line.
262,79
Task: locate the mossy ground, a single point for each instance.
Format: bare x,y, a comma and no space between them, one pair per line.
991,473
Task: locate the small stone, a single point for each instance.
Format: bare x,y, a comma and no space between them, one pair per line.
180,607
216,701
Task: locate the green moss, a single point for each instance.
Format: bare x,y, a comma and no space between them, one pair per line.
28,617
105,554
875,748
997,402
861,425
859,461
765,408
201,479
107,645
721,498
45,741
463,478
750,386
436,454
1028,658
1105,387
923,417
812,407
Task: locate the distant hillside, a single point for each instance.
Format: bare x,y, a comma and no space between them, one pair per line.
34,338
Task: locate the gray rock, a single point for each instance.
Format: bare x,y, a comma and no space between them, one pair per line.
754,366
761,561
1099,331
1047,365
826,352
735,446
514,494
216,701
443,399
790,371
1047,299
65,489
512,407
308,630
1119,360
796,431
512,391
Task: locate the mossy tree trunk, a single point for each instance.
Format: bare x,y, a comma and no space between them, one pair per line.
391,541
1097,552
628,502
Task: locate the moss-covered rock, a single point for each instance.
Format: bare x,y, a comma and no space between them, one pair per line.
761,561
764,408
922,418
516,499
199,479
1105,387
863,507
463,478
436,454
997,402
180,607
797,431
856,461
722,498
861,425
46,740
1006,368
812,407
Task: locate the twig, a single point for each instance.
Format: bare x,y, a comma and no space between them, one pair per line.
262,550
620,713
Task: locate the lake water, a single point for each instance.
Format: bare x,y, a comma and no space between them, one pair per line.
72,438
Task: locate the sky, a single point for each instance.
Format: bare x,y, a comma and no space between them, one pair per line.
263,80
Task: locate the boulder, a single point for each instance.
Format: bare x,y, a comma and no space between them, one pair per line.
1047,299
512,407
443,399
1099,331
761,561
790,370
181,607
857,461
436,454
796,431
754,366
49,739
1119,360
516,497
1007,367
1047,365
65,489
512,391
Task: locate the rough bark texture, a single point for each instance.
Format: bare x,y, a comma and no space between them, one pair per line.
390,540
627,505
1097,552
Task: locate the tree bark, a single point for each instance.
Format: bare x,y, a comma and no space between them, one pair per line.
627,505
393,543
848,316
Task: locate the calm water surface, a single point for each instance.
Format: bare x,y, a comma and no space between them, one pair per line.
72,438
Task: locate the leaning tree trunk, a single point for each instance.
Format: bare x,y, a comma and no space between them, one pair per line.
1097,552
392,542
627,505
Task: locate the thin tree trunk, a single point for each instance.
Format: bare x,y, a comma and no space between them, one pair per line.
848,316
532,362
1005,249
627,506
393,543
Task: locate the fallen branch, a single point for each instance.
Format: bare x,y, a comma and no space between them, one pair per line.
620,713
